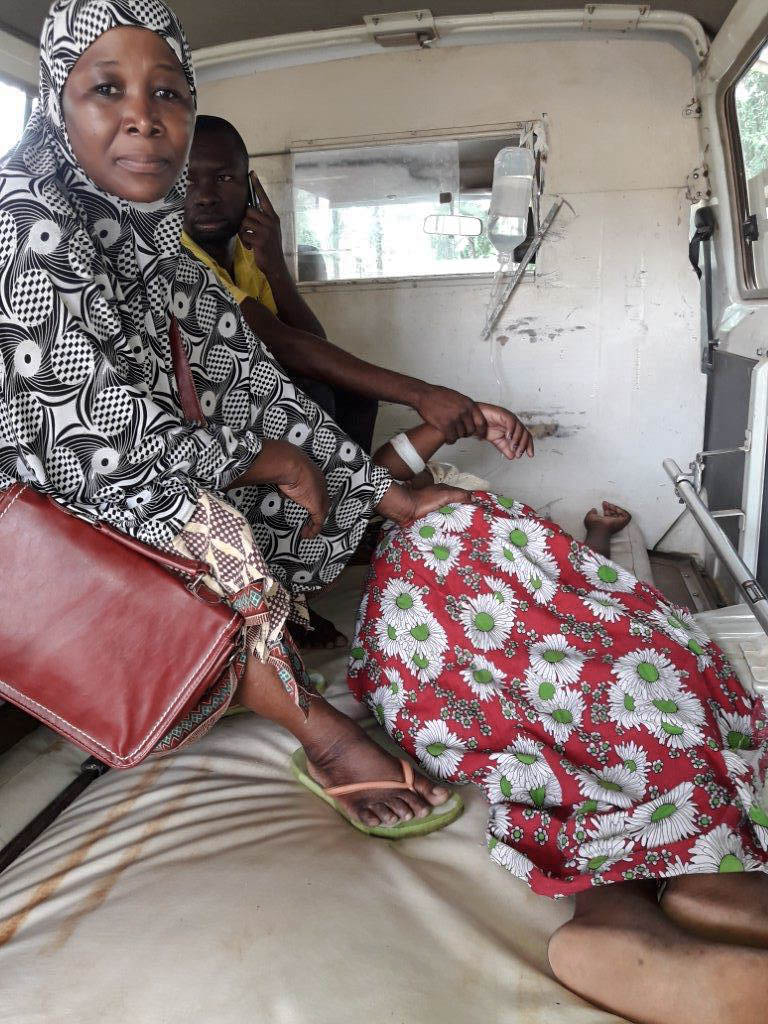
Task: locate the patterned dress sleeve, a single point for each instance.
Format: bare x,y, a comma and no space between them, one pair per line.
94,423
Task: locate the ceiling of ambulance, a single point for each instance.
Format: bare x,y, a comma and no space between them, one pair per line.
222,21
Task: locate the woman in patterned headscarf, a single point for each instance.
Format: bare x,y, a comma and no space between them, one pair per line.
91,207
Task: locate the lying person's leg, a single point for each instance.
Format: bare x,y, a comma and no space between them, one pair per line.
622,953
730,906
338,751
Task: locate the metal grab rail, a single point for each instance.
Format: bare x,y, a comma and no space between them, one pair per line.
753,593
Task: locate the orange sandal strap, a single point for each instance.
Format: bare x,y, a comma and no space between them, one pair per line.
359,787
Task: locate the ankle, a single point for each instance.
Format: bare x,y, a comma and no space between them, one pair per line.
327,732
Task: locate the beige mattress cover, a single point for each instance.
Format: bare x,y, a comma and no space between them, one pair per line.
210,887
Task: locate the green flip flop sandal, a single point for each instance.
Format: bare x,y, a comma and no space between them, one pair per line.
438,817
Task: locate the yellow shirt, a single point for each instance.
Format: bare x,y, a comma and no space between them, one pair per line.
249,281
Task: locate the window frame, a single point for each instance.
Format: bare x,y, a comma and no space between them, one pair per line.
498,130
30,93
734,164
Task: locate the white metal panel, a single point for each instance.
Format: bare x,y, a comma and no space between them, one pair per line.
602,348
741,321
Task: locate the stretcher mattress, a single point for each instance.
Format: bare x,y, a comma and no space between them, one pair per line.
209,886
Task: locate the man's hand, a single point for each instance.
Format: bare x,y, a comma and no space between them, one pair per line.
260,232
450,412
295,476
506,432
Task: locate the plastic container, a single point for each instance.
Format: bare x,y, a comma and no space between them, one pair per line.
511,197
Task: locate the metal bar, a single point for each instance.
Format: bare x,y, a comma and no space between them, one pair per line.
728,513
741,575
723,451
90,770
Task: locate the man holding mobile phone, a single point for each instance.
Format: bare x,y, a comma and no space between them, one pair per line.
231,225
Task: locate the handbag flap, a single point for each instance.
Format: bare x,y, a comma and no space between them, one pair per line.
98,640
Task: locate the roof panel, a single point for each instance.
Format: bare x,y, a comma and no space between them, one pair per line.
231,20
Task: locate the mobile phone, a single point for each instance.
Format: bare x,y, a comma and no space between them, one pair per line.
253,199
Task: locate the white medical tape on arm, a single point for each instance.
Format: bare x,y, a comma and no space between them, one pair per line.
404,448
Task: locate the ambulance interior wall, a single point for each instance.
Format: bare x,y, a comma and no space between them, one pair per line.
600,347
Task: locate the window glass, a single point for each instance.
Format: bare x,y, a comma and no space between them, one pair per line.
360,212
751,102
13,109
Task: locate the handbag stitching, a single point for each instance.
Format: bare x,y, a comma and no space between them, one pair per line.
10,504
183,693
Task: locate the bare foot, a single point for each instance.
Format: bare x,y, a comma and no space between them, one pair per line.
339,753
600,528
612,520
321,634
624,955
721,907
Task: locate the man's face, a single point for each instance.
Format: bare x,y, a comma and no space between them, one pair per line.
217,194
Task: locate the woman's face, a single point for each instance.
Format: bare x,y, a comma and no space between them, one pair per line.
129,114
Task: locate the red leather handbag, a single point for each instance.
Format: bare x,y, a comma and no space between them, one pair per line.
106,640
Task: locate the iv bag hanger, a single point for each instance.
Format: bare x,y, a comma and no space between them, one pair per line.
505,285
512,265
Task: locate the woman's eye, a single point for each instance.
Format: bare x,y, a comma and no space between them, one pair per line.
106,89
224,177
167,94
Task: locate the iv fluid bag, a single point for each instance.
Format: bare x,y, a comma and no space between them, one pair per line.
511,197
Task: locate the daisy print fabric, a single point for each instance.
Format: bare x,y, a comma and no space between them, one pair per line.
610,736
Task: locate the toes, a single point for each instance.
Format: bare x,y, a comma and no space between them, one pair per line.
401,808
368,818
385,814
430,791
419,807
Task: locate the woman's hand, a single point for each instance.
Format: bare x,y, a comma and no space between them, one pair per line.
505,431
295,476
403,505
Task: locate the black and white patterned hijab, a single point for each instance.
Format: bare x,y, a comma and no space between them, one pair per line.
89,410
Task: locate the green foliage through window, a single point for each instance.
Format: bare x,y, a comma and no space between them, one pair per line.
752,113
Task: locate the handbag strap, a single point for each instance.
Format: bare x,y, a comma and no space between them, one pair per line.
190,403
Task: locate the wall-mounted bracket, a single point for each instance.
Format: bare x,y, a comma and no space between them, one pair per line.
696,473
404,28
692,109
614,17
697,187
